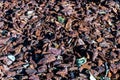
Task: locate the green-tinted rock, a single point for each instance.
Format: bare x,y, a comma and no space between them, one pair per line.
4,32
61,19
104,78
81,61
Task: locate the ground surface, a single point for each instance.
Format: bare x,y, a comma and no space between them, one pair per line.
59,40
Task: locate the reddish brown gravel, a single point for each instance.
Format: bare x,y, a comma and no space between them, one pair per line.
59,39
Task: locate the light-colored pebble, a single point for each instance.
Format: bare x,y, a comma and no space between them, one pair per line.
11,57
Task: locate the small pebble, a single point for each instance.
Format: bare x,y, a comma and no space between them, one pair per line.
59,57
72,75
9,62
11,57
61,19
25,65
81,42
29,13
102,12
4,32
81,61
104,44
